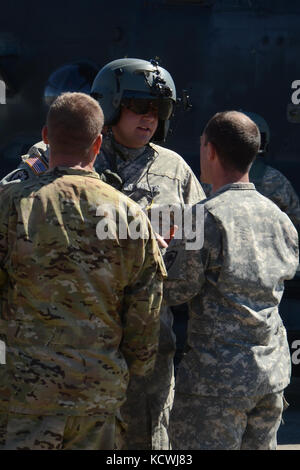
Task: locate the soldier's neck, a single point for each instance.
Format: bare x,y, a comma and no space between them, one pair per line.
125,153
229,178
71,162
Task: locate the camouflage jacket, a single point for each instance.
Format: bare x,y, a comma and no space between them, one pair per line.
81,310
36,162
272,184
32,165
237,343
153,177
275,186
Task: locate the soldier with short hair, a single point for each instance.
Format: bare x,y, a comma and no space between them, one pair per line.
269,181
77,76
138,98
230,382
81,309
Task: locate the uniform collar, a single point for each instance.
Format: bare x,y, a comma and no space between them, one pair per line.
110,146
235,186
65,170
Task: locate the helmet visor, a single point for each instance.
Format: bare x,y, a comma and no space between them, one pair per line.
162,108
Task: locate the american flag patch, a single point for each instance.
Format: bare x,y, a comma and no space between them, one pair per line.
37,165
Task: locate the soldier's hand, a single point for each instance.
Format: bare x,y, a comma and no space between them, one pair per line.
164,241
160,240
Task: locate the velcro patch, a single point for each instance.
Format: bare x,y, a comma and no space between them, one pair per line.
36,164
19,175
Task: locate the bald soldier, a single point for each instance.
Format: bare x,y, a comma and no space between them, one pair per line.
82,304
230,382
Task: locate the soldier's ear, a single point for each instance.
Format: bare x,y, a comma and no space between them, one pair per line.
97,144
45,134
211,151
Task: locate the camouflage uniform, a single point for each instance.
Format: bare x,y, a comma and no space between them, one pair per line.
222,423
272,184
237,358
151,175
33,164
81,312
36,162
35,432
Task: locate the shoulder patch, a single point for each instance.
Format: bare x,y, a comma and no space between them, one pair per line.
19,175
37,165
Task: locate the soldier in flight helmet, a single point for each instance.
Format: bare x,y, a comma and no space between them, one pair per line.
138,98
138,83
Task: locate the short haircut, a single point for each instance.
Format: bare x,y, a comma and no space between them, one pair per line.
74,121
236,139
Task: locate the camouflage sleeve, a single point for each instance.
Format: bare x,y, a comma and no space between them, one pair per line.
39,152
142,303
278,188
3,277
187,265
5,204
192,189
19,174
4,388
40,149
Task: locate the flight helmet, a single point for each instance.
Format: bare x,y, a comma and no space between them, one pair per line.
140,81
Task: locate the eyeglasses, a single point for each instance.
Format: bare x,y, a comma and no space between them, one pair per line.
162,108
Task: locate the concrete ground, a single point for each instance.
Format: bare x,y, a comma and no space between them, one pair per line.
288,437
